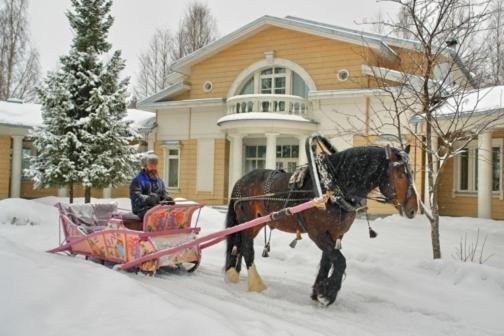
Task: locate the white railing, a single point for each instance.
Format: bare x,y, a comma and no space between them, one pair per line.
277,103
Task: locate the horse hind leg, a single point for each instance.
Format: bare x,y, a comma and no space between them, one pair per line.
255,282
233,259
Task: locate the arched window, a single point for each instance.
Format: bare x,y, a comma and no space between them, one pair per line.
248,87
275,80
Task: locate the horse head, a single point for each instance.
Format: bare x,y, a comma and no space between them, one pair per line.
398,187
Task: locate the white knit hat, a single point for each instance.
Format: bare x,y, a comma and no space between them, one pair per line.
149,158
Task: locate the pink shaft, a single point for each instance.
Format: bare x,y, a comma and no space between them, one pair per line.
215,237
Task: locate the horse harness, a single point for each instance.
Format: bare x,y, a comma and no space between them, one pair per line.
323,175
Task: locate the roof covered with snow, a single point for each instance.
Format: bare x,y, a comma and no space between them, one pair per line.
487,100
262,116
27,115
20,114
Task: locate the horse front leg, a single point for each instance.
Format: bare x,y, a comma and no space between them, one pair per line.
324,268
255,283
326,289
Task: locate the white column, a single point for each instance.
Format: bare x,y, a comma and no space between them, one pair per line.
485,175
271,150
63,192
107,192
16,173
302,150
235,160
151,138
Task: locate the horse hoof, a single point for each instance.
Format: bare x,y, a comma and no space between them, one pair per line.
232,276
255,283
257,286
323,300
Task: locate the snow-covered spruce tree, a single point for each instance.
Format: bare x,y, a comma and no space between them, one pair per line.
84,105
56,143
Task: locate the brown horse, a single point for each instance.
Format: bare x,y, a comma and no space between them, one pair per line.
356,171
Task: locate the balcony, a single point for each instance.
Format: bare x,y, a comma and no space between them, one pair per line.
275,103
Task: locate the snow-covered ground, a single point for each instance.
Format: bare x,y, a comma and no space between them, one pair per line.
392,286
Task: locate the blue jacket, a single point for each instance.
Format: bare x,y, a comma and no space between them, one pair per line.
141,188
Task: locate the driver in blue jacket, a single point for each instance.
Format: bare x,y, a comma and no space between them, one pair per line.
147,189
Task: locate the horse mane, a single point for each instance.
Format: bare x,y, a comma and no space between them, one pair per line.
359,170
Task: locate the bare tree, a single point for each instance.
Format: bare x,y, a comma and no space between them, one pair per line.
493,73
19,61
438,93
403,24
378,25
429,96
197,29
155,64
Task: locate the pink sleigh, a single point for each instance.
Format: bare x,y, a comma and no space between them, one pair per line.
102,232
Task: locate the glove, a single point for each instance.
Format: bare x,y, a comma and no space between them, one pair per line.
168,201
152,199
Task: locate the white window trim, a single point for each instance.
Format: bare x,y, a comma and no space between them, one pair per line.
255,158
287,75
24,177
471,188
262,64
167,157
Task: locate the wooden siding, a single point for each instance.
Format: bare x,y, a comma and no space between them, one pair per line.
320,57
187,177
464,204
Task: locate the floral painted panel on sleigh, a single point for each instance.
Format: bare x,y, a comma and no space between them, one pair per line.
169,217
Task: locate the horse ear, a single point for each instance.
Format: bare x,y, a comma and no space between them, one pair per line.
388,152
407,149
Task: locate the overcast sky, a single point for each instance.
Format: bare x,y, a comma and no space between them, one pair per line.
136,20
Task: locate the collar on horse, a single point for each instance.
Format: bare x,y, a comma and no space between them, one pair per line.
318,149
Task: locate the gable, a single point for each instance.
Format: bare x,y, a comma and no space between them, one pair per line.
321,57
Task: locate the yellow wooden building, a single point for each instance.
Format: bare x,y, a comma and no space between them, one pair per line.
249,100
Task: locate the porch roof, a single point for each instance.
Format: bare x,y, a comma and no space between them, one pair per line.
17,114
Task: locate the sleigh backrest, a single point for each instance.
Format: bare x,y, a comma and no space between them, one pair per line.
169,217
85,218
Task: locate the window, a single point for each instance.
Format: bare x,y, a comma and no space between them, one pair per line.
467,168
343,75
255,157
464,170
287,157
299,87
275,80
248,87
172,159
496,168
25,163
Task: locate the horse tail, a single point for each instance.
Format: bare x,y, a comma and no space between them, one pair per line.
233,240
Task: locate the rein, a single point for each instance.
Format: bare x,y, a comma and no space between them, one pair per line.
274,196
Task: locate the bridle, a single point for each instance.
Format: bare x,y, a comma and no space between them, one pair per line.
405,164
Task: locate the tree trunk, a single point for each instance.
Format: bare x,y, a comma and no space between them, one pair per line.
434,220
71,192
436,244
87,195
